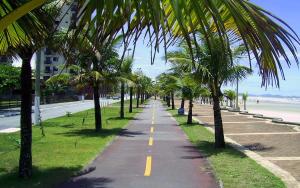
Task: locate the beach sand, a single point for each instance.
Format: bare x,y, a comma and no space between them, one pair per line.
288,110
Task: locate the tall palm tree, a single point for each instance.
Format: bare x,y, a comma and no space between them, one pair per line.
245,97
168,84
133,79
212,67
190,90
23,37
216,68
231,95
125,76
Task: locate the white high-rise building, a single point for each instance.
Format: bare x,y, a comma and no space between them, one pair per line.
52,62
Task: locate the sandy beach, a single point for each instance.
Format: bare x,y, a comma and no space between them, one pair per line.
286,108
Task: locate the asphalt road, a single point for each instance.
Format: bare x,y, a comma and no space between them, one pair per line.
49,111
152,152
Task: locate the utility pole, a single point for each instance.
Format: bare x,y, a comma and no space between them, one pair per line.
37,97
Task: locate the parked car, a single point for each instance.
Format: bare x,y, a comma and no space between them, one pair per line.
116,97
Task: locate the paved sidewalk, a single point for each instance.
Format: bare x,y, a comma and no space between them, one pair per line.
153,152
278,144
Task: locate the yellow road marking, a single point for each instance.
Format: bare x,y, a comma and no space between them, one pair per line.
148,166
152,129
151,141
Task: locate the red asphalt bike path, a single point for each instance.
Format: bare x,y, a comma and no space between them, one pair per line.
152,152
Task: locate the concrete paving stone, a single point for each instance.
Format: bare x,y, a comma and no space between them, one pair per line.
291,166
271,145
255,128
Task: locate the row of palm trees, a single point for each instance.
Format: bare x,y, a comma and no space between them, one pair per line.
27,26
209,71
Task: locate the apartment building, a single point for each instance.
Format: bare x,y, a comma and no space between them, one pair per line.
51,62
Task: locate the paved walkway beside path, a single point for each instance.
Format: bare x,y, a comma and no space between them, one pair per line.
153,152
276,145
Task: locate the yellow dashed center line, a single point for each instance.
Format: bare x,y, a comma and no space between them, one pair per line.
149,158
151,141
148,166
152,130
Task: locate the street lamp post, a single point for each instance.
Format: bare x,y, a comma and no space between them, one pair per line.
37,97
237,94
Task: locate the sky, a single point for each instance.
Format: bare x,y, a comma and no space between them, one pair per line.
287,10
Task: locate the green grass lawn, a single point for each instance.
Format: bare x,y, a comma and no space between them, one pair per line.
232,167
68,146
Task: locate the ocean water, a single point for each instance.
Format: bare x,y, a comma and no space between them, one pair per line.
286,108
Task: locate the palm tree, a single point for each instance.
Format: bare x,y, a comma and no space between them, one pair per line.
231,95
23,37
212,67
216,68
168,83
131,87
181,18
245,97
190,90
181,64
125,76
177,19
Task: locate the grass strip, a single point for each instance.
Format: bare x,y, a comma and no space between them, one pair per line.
69,145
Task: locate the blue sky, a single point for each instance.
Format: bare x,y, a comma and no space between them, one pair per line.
289,11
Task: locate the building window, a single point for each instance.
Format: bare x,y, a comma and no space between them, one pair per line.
48,60
48,51
47,69
55,58
46,77
55,69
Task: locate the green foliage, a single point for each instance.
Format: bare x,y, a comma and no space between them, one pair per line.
9,77
58,83
245,96
230,94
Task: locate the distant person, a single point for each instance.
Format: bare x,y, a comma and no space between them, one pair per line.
257,101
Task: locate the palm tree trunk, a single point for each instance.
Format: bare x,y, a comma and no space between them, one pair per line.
138,98
142,97
130,103
182,103
168,101
219,133
190,113
244,104
173,102
98,121
122,100
25,161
